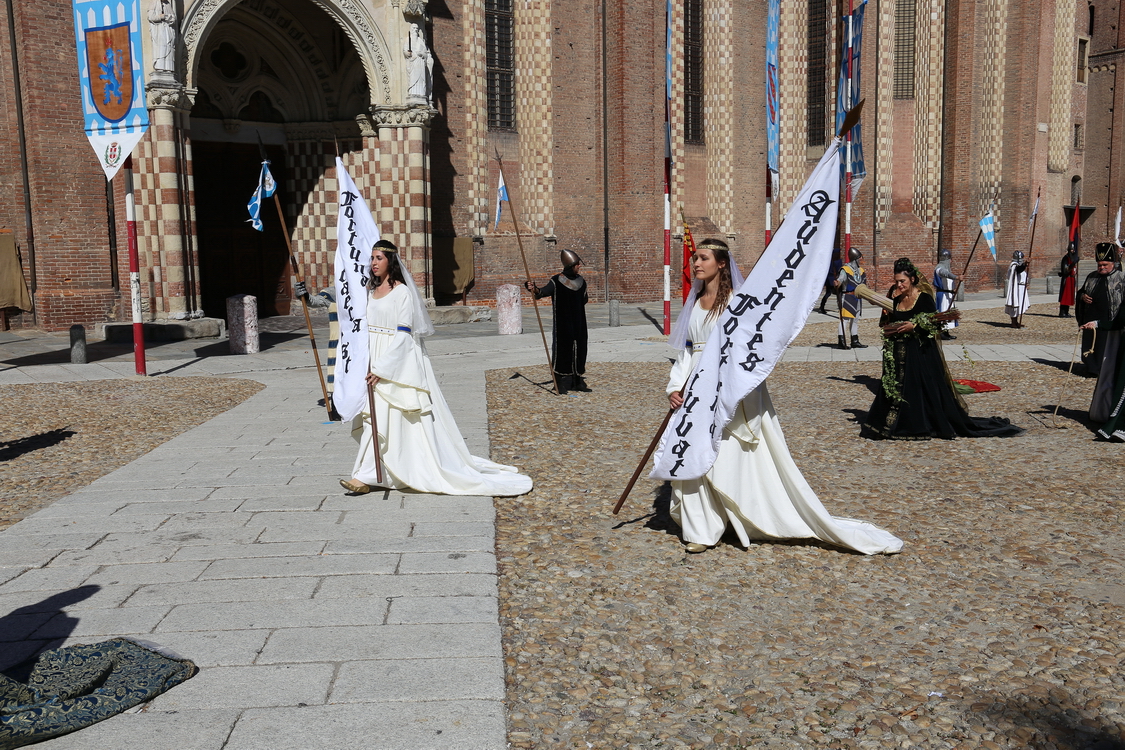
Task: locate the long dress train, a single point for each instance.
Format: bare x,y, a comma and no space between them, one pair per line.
421,447
754,485
916,400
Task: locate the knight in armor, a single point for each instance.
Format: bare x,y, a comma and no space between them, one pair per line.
852,274
1015,302
1068,272
569,296
945,285
1100,299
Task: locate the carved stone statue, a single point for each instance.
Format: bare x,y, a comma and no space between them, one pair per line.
419,66
162,27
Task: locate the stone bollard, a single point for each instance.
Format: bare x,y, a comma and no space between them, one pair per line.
614,313
77,345
509,309
1049,290
242,323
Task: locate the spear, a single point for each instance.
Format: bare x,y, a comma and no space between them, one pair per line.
957,286
527,272
1030,248
375,435
332,415
644,460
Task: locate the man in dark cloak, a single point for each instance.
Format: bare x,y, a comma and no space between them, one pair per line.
569,296
1068,273
1100,299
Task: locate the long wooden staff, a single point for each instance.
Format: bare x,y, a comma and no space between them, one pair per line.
527,271
375,435
304,298
1030,248
644,460
957,286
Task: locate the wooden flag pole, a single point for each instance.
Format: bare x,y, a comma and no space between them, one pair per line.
527,272
1030,248
957,287
332,415
305,306
644,460
375,435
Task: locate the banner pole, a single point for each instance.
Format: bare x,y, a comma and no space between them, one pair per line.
134,270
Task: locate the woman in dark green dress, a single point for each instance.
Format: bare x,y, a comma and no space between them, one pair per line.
916,399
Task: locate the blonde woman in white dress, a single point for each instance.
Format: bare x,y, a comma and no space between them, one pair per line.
754,487
419,442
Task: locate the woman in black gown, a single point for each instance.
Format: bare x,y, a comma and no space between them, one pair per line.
916,399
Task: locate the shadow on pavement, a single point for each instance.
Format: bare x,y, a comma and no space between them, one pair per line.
98,351
32,629
10,449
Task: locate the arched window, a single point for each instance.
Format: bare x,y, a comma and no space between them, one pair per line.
905,25
693,71
817,91
1090,26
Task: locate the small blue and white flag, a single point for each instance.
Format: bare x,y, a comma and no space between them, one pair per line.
1117,228
988,229
501,195
266,188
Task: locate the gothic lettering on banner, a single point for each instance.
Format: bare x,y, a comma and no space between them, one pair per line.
763,316
356,233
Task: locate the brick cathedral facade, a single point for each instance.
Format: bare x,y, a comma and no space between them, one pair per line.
970,104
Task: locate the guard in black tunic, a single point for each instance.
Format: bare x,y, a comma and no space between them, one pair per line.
568,294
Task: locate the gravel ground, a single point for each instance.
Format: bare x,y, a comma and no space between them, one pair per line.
57,438
998,626
1042,325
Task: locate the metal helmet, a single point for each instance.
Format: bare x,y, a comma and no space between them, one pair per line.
944,254
1017,255
569,258
1106,251
854,255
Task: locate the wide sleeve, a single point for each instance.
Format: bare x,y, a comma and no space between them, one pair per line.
681,369
399,364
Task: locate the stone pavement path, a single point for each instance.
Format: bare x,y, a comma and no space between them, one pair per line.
318,620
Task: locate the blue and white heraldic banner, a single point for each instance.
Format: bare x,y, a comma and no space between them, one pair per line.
111,72
762,317
356,232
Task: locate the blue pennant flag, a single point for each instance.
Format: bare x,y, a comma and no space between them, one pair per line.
501,195
847,96
266,188
988,230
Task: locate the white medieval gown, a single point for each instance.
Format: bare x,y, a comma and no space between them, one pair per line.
422,448
754,486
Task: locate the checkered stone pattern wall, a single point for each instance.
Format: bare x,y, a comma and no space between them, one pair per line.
718,103
400,194
479,193
676,118
310,200
1063,66
882,150
991,122
533,113
929,84
792,74
145,198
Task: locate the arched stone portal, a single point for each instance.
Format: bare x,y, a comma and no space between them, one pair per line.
308,78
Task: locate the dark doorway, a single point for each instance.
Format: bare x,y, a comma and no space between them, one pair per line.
234,258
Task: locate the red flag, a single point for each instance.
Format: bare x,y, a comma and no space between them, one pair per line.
1074,224
689,250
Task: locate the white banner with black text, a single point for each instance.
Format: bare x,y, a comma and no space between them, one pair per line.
356,233
762,317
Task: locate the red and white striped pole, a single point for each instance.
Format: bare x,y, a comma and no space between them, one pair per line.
667,246
134,270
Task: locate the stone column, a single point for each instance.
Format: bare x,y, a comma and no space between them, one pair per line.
403,212
509,309
170,234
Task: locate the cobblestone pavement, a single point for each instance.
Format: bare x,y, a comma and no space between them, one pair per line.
56,438
999,625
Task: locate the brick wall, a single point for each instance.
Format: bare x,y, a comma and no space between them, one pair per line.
68,196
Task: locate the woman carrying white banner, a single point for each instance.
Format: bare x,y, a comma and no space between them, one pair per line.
419,442
753,486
